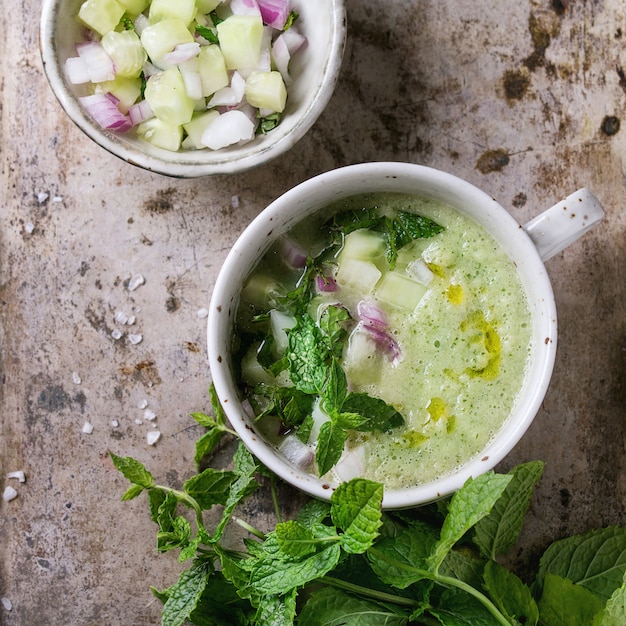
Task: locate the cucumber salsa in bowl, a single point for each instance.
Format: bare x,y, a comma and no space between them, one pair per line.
387,337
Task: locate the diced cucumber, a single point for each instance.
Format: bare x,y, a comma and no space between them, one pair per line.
252,372
419,271
206,6
266,90
280,323
160,38
359,275
184,10
363,359
240,38
262,291
100,15
363,244
196,127
126,51
319,418
126,90
399,290
134,7
166,95
161,134
212,68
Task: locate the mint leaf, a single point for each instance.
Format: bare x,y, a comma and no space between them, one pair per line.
220,604
510,594
277,611
184,595
207,33
379,416
564,603
307,356
595,560
275,576
206,444
409,226
332,323
313,512
468,505
401,561
133,470
331,607
615,609
336,387
294,539
210,487
465,565
203,419
457,608
330,443
497,532
356,509
132,492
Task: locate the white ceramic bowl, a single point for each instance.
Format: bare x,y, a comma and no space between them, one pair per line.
527,246
315,69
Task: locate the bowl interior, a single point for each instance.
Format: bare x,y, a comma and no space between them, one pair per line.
316,194
315,70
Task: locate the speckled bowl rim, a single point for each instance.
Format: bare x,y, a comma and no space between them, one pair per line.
320,191
192,165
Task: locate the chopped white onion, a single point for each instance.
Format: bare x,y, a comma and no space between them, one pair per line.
296,452
227,129
98,63
76,71
244,7
294,39
231,95
351,464
191,77
181,53
141,22
281,58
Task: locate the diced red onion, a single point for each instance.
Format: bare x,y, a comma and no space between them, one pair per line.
371,315
275,12
325,284
244,7
99,64
296,452
294,39
149,69
281,57
293,253
103,109
140,112
383,340
181,53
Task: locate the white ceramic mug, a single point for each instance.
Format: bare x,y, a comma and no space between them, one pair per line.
528,247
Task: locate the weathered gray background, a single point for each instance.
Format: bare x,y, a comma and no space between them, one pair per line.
524,99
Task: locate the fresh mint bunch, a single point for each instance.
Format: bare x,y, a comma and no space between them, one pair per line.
348,562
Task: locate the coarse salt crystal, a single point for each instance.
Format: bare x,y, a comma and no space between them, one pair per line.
7,604
120,317
234,201
136,281
149,415
131,320
87,428
57,199
42,196
76,378
135,339
143,404
152,437
138,421
19,475
202,313
115,423
9,494
116,334
29,227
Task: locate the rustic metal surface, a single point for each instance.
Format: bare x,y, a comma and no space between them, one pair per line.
524,99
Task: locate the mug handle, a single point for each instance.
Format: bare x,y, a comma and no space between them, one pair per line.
558,227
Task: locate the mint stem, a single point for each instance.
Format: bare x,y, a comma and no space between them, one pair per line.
249,528
279,517
367,592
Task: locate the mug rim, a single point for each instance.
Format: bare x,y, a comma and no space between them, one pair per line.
313,195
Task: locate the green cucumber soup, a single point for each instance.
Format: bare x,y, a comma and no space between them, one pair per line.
387,337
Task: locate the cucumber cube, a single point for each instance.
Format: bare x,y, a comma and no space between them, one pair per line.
196,127
160,38
161,134
359,275
252,371
363,244
134,7
184,10
266,90
166,95
363,359
100,16
280,323
206,6
126,51
212,69
126,90
399,290
240,38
